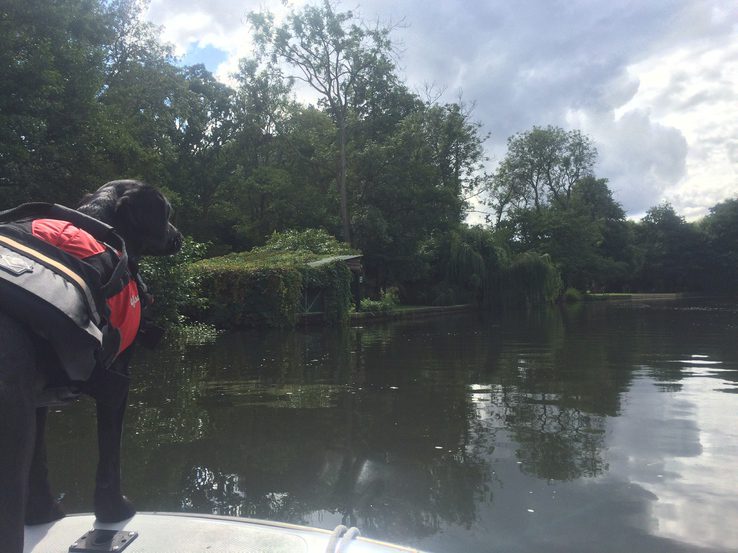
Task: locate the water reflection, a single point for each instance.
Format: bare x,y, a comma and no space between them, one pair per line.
601,427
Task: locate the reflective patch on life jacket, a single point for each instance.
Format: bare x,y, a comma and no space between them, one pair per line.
125,309
15,264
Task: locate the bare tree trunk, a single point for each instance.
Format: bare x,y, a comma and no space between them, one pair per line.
346,225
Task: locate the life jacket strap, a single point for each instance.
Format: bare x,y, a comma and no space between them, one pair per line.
100,231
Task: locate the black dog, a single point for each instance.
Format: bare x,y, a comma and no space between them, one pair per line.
140,214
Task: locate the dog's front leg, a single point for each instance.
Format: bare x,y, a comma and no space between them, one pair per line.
110,504
109,388
41,506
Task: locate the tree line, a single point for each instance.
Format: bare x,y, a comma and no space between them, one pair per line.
546,197
88,93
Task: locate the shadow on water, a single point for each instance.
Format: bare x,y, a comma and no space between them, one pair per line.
450,434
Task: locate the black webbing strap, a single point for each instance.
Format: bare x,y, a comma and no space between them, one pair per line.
99,230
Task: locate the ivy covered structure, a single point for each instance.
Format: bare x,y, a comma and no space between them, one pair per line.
293,274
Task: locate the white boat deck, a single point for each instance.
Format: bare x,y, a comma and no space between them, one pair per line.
189,533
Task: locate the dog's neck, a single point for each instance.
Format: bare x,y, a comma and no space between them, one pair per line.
101,207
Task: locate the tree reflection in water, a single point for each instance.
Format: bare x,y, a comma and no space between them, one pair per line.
400,429
393,427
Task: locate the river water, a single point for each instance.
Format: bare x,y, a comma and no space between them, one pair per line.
602,427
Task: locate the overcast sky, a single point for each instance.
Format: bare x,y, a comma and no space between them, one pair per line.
653,82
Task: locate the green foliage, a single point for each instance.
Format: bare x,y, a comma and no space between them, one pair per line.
244,294
88,93
460,267
336,55
175,288
672,252
587,237
266,285
414,180
389,300
50,121
720,229
572,295
531,279
335,281
266,201
280,166
540,169
316,241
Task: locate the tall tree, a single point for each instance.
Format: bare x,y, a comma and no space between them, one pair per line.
721,230
333,53
51,71
541,167
413,183
280,160
200,126
141,97
263,105
587,237
614,259
672,251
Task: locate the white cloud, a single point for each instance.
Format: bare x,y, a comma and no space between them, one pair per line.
222,24
641,158
695,90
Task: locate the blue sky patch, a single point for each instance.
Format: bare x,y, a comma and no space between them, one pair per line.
209,56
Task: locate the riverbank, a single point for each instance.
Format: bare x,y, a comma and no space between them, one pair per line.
410,312
636,296
405,312
418,312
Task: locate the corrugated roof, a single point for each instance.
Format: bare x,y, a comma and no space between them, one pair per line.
333,258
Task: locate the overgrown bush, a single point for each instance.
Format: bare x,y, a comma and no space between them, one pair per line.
266,287
572,295
316,241
176,290
248,289
388,300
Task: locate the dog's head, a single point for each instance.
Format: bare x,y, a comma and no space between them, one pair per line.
139,213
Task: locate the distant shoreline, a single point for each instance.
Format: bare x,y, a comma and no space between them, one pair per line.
405,312
633,296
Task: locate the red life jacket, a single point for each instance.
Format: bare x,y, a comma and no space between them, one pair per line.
124,305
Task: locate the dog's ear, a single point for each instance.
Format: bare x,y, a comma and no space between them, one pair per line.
124,211
138,210
128,221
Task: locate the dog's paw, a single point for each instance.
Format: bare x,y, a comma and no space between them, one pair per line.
43,510
113,508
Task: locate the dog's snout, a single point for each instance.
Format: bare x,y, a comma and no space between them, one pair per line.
175,241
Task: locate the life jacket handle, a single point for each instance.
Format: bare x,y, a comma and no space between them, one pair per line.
100,231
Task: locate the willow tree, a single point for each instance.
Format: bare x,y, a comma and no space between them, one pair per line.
333,53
